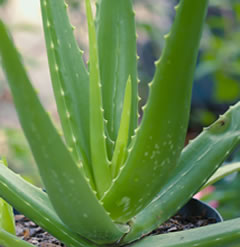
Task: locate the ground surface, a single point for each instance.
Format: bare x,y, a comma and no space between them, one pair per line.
35,235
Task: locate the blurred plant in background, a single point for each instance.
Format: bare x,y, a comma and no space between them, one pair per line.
14,146
218,78
217,75
3,2
226,193
73,3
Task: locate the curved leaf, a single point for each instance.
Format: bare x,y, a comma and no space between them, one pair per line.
225,234
198,161
35,204
223,172
68,190
9,240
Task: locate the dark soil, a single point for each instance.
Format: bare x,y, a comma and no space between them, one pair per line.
179,223
35,235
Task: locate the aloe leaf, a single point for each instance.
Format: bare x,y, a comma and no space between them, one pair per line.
120,151
9,240
223,172
198,161
7,221
69,80
35,204
160,139
116,37
6,217
223,234
100,162
68,190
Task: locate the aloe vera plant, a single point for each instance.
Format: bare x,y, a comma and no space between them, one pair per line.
108,180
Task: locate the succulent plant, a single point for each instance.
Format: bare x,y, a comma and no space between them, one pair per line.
108,179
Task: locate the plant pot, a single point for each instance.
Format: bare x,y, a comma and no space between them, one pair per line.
196,207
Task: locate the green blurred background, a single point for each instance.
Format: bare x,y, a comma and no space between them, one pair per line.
216,85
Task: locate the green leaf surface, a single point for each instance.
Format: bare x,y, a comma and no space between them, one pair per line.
35,204
116,35
198,161
7,221
9,240
100,162
160,139
223,172
68,190
120,151
225,234
69,79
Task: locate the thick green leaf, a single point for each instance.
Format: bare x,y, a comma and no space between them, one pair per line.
69,191
7,220
223,172
116,36
120,151
9,240
35,204
100,162
69,80
6,217
223,234
160,138
198,161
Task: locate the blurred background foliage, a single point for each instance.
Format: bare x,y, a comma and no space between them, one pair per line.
2,2
216,84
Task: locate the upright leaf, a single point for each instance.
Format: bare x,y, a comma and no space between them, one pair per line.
100,162
117,55
160,138
120,151
69,80
68,190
